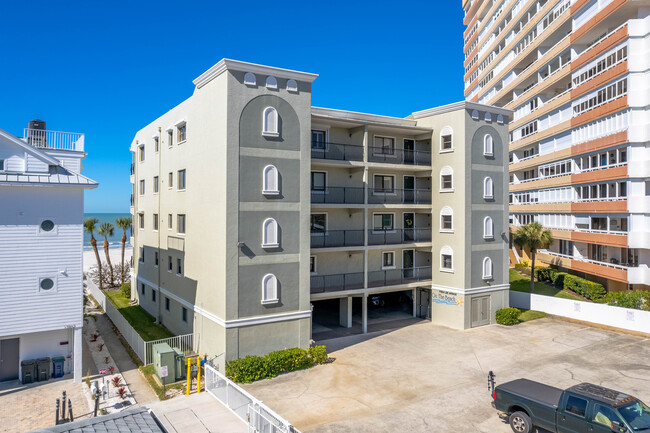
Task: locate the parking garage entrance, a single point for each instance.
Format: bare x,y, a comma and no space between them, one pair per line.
339,317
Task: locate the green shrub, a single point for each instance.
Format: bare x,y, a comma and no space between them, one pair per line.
252,368
522,264
590,290
508,316
639,300
558,278
126,290
543,273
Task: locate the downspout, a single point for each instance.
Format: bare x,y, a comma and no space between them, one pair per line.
159,318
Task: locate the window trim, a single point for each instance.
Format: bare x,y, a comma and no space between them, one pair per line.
380,231
374,188
311,186
327,223
53,232
55,286
265,243
488,275
266,132
393,266
444,172
179,126
488,195
315,271
170,180
141,222
156,222
324,129
156,185
265,184
141,153
447,251
446,130
451,214
143,187
178,179
179,261
487,235
488,150
178,225
388,155
268,300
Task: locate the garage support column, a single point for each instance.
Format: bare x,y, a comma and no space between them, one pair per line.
414,294
364,312
345,312
76,356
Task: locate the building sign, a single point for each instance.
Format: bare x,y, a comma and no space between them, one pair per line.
102,371
448,298
163,371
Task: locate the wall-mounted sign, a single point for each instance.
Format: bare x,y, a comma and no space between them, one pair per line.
447,298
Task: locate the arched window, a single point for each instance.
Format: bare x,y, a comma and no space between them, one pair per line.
249,79
446,259
446,219
270,233
487,268
270,184
269,289
488,188
475,114
292,86
488,117
500,119
271,82
446,139
488,145
488,228
270,122
446,179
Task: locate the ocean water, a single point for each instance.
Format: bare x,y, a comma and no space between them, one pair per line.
113,241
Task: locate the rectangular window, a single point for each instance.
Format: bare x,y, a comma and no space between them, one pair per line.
156,144
388,260
184,316
155,222
318,140
446,261
2,165
141,218
142,187
446,222
170,221
142,289
312,264
181,224
170,137
155,185
153,295
318,223
181,179
446,181
182,133
384,184
166,303
576,406
318,180
155,258
384,146
141,260
383,221
171,180
446,142
170,264
141,152
179,267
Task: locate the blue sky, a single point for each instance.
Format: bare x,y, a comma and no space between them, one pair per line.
108,68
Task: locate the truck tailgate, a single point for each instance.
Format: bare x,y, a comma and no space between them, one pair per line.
542,399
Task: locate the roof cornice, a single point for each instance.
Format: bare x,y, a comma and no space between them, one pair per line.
354,116
462,105
236,65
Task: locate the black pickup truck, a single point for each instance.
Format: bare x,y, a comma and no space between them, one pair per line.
582,408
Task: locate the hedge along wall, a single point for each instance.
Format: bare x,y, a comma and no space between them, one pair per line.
589,289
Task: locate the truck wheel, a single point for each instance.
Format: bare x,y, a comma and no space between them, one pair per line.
520,422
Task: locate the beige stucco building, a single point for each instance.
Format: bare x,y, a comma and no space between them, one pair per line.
253,210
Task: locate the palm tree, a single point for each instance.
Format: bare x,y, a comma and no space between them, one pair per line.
89,226
106,230
124,223
534,237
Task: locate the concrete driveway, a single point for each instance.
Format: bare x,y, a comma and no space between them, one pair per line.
427,378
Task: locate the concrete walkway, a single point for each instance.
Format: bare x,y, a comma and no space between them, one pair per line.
197,413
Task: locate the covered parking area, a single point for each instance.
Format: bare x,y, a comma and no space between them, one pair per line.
339,314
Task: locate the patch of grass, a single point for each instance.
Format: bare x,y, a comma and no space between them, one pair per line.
142,322
528,315
520,283
148,372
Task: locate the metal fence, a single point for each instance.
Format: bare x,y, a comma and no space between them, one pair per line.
259,417
143,349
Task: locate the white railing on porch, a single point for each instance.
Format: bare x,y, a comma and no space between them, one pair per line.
56,140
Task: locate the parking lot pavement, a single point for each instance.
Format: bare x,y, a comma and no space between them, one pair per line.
426,378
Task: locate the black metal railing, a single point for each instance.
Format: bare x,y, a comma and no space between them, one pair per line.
132,168
336,282
337,238
336,151
399,156
394,277
399,196
338,195
398,236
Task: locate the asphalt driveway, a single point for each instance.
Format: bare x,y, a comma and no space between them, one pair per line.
427,378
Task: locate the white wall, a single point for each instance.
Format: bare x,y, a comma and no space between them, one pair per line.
624,318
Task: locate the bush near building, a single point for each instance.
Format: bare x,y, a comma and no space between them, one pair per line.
589,289
126,290
252,368
639,300
508,316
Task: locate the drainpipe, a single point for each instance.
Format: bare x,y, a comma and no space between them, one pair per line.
159,318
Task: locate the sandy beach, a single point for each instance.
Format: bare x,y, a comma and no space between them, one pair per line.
115,253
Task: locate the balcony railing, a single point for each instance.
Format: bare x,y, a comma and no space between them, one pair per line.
399,156
337,238
338,195
611,264
132,168
336,282
55,140
337,151
398,236
394,277
399,196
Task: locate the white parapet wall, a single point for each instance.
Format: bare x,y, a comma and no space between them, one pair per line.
602,314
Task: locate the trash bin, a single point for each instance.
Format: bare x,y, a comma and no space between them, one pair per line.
28,370
43,369
57,366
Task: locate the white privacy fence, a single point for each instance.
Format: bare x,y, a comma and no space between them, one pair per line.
259,417
602,314
143,349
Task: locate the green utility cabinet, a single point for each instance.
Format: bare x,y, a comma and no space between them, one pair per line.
166,356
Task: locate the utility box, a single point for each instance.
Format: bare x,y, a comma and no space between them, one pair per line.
28,371
43,369
164,356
